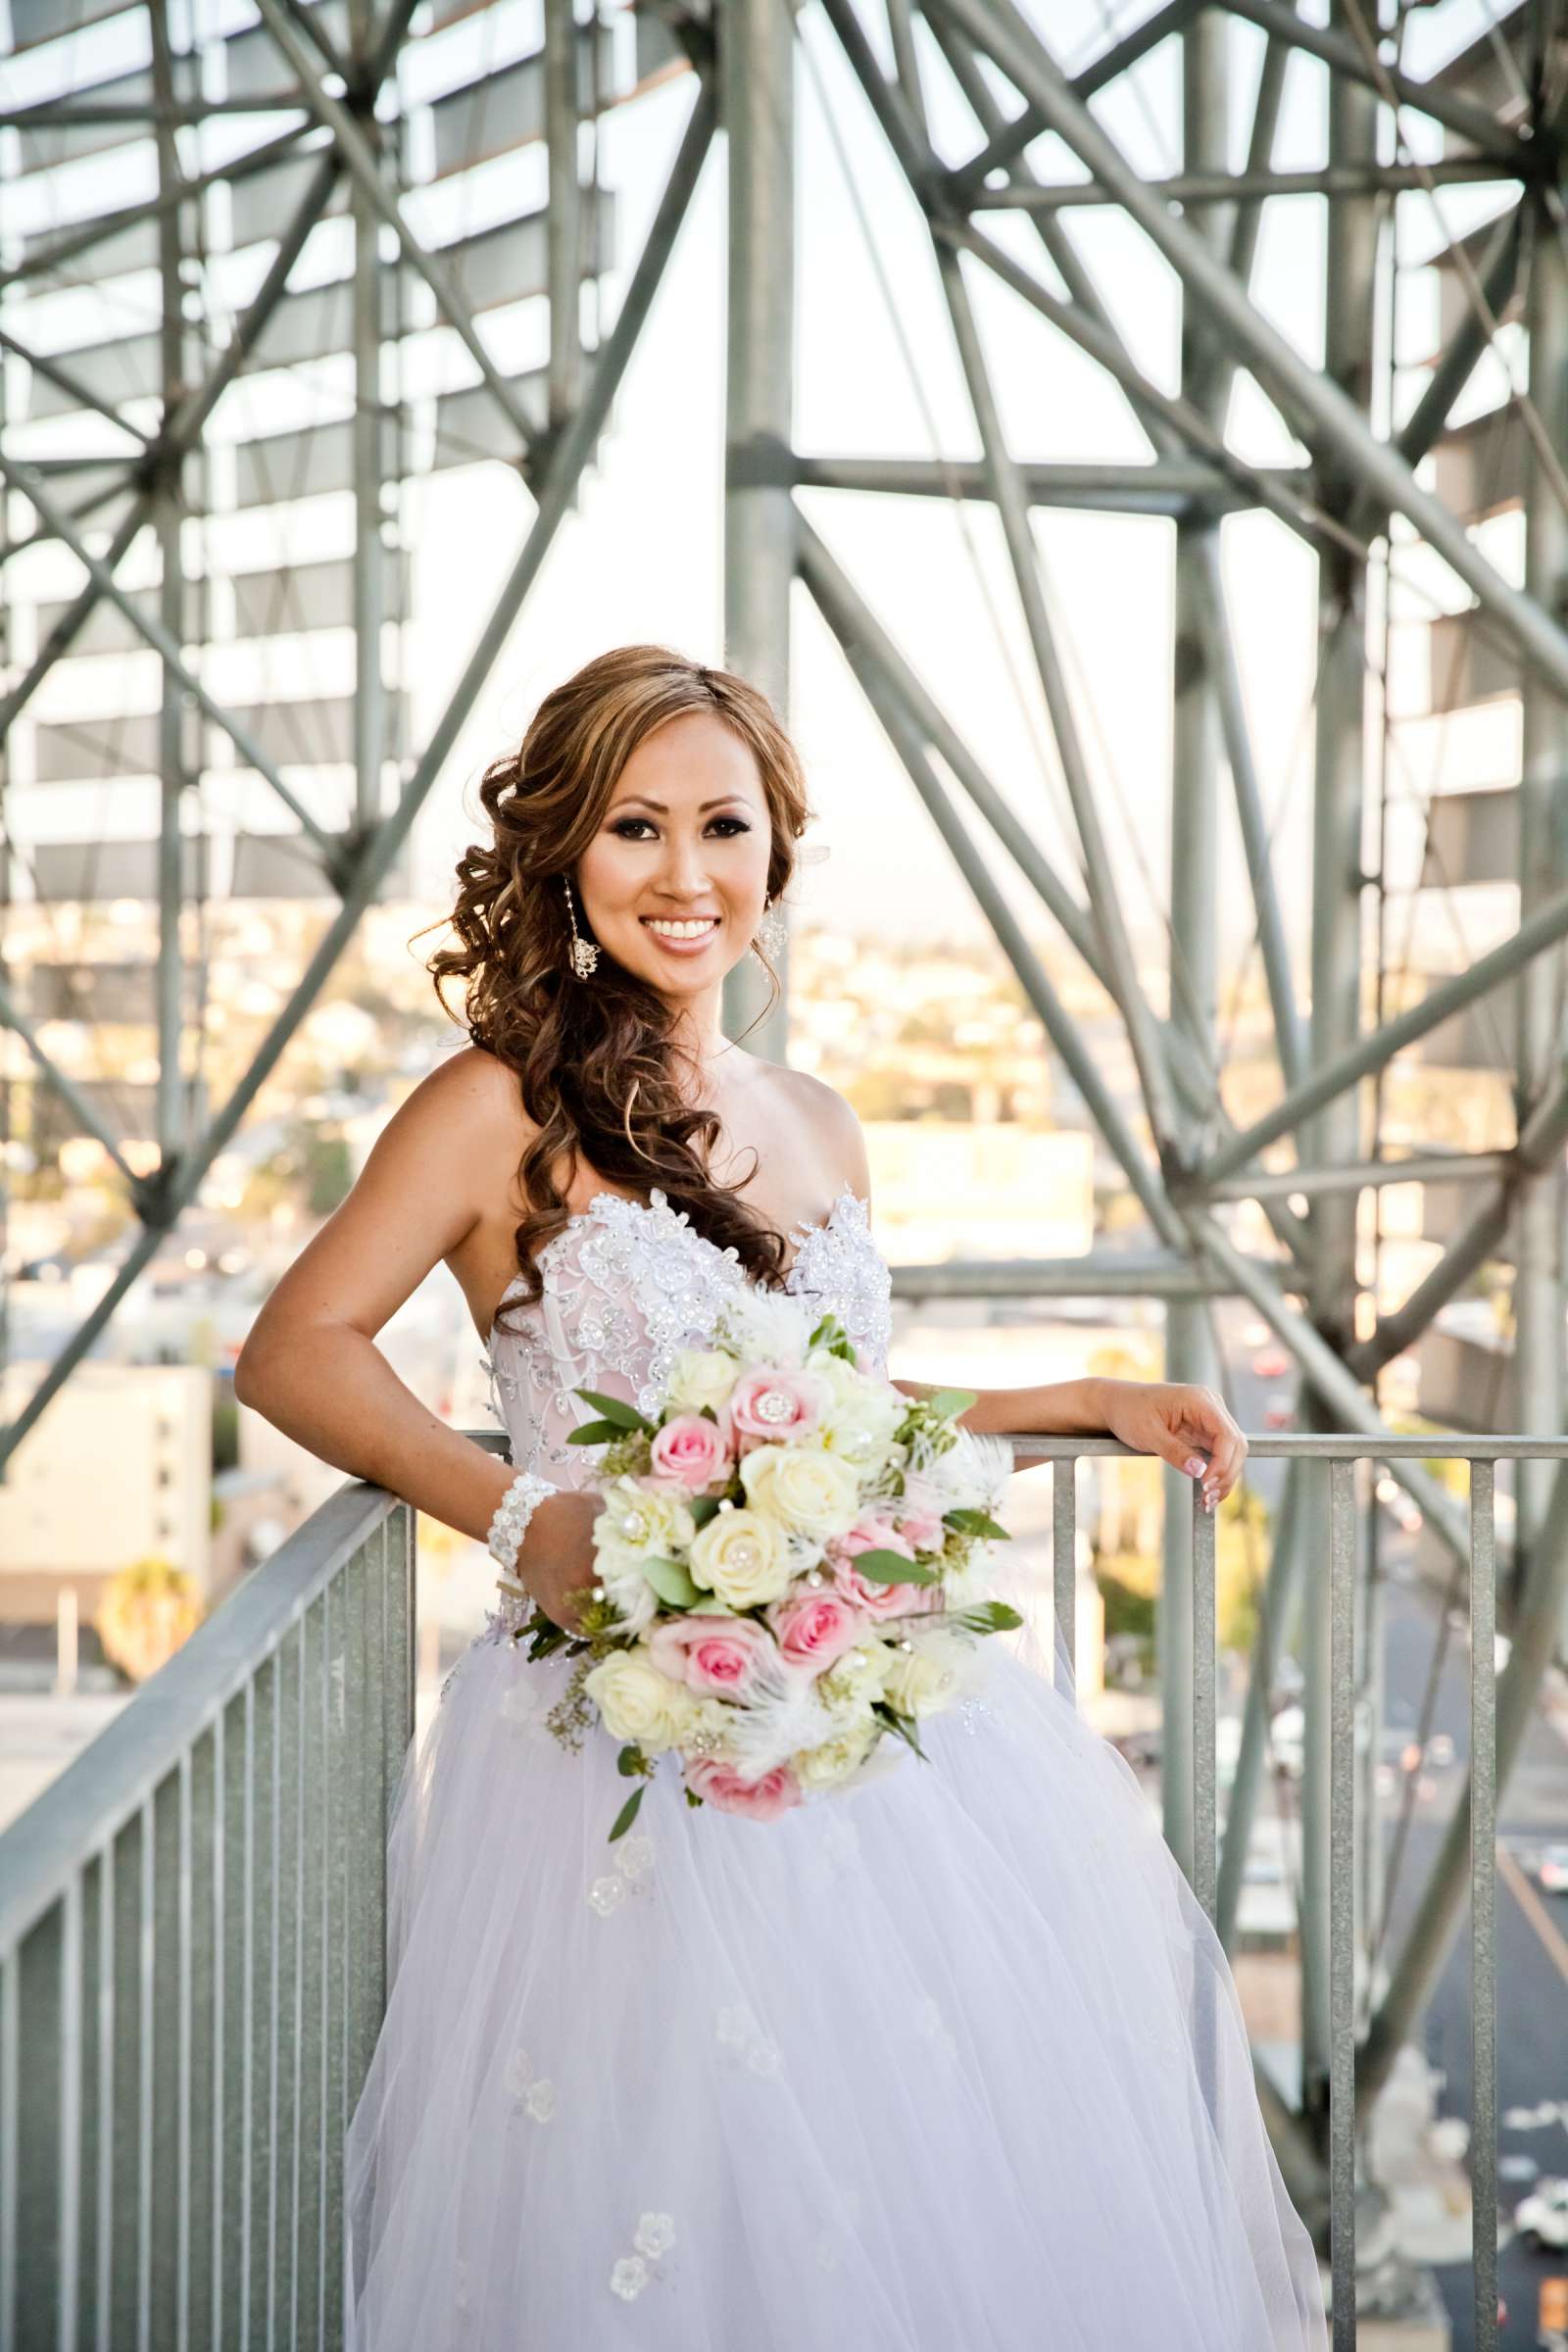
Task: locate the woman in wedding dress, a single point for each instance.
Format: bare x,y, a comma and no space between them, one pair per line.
947,2062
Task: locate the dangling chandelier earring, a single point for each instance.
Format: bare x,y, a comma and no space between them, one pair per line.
771,934
584,953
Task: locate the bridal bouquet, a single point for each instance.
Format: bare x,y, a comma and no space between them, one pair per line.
790,1566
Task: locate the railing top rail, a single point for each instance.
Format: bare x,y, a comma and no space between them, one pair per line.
116,1774
1336,1446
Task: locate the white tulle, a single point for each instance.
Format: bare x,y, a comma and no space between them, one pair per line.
950,2063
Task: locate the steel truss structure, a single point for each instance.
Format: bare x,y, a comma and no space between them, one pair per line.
1360,490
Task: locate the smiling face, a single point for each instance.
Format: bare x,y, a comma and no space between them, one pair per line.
674,882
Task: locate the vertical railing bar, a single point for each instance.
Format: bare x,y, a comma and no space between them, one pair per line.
71,1999
1205,1866
326,2007
1064,1552
274,1908
1342,1897
220,1974
10,2070
1482,1903
247,2096
144,2084
183,2066
106,2089
299,1986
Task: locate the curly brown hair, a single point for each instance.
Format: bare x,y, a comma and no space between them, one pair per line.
597,1062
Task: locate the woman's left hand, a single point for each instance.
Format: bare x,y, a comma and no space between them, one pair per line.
1182,1423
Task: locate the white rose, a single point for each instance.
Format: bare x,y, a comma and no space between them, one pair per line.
700,1376
825,1766
857,1674
640,1522
741,1557
862,1411
929,1675
636,1700
814,1493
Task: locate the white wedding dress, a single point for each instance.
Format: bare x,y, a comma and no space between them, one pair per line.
950,2062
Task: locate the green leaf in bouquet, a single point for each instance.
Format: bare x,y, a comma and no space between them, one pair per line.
831,1334
616,1409
971,1522
881,1567
903,1725
947,1403
625,1817
672,1582
593,1433
692,1797
630,1759
704,1507
988,1617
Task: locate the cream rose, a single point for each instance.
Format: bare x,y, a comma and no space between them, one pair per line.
862,1413
859,1675
741,1557
813,1492
929,1676
835,1759
700,1376
637,1701
640,1521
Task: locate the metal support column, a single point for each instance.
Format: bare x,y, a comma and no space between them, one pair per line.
1197,751
1538,1289
756,107
369,452
169,503
1333,1133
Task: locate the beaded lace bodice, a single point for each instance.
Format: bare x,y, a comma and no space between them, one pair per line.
626,1283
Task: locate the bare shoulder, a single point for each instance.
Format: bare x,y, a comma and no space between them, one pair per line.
831,1120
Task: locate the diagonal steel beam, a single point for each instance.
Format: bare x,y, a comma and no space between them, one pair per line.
180,1180
1271,488
1524,157
1543,929
359,160
1036,982
1458,364
1013,510
64,1084
1325,1368
1303,396
25,478
1011,140
58,372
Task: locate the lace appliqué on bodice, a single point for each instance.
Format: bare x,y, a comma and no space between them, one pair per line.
626,1284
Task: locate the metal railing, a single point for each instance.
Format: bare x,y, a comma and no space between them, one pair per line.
192,1966
192,1927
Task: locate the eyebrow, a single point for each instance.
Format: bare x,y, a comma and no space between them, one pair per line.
663,811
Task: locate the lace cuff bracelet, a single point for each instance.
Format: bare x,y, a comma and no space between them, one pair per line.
509,1525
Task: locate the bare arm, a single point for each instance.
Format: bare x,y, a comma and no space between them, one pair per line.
310,1366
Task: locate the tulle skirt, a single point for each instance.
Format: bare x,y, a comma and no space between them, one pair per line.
949,2062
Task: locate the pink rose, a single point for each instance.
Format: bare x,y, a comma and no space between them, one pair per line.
772,1405
923,1529
718,1656
871,1533
761,1800
879,1601
814,1628
690,1451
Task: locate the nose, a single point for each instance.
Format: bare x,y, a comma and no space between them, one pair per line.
682,871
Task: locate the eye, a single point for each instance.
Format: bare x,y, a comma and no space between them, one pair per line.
738,824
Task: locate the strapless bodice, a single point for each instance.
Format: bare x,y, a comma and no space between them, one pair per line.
626,1283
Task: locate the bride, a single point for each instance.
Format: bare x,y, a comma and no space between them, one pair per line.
950,2062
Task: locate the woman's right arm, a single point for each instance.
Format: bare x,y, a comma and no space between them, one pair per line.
310,1366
